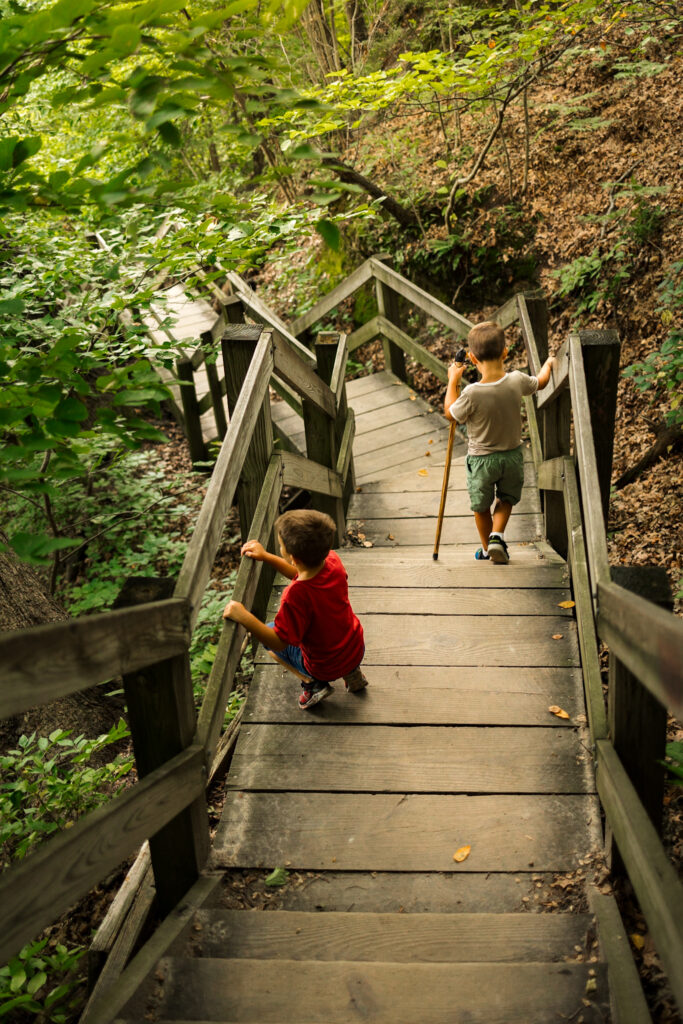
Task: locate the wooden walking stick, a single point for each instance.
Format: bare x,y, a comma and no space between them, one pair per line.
460,357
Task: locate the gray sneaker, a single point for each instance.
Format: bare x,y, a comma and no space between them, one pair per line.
498,551
355,681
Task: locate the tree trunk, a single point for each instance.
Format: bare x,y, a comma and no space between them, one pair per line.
406,218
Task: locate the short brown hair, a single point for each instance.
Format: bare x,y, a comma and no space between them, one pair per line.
307,535
486,341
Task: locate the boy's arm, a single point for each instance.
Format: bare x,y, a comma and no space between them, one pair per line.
253,549
455,372
544,374
264,634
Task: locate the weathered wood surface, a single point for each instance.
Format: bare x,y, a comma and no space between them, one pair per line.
414,759
389,938
457,696
259,992
36,890
457,529
405,832
424,504
48,662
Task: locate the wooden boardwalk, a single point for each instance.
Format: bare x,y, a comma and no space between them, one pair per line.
366,798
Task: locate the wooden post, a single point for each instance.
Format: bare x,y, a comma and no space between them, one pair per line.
387,306
238,343
321,443
326,346
162,720
601,351
234,310
342,409
637,721
554,429
193,425
210,362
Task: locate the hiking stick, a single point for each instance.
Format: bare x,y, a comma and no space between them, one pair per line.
444,489
460,357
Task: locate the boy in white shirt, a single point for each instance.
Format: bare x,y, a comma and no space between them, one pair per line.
492,410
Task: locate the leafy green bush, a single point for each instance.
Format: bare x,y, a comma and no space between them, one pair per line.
674,762
48,782
661,373
27,983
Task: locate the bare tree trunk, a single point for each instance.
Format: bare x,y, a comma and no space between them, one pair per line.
406,218
322,38
357,28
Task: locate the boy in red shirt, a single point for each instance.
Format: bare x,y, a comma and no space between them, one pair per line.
315,633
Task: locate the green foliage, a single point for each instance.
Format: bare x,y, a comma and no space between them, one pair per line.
48,782
41,981
204,646
660,374
674,762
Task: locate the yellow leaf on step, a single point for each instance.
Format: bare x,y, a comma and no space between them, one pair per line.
423,472
462,854
557,636
637,940
566,604
560,712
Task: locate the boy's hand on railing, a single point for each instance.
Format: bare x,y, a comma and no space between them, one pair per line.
234,610
254,549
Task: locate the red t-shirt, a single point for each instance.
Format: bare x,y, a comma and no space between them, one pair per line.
316,616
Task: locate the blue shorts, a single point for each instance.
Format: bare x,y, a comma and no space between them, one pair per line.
293,656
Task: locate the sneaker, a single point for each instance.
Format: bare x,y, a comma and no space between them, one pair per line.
311,696
355,681
480,556
498,551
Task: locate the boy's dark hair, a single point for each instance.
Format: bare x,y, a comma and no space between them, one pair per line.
307,535
486,341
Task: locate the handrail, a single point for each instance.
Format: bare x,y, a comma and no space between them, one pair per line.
426,302
46,663
347,287
201,551
36,890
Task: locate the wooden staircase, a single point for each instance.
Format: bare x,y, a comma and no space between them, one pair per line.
365,799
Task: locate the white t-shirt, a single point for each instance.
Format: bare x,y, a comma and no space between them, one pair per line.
493,412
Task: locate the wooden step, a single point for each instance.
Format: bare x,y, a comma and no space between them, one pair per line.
413,759
493,601
389,938
314,992
436,640
453,696
406,832
456,529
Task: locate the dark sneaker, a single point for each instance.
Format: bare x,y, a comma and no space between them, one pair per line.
311,696
498,551
480,556
355,681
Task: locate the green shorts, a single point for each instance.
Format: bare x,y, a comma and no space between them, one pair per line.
497,475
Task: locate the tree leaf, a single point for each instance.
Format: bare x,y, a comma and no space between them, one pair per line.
330,233
558,711
278,876
462,854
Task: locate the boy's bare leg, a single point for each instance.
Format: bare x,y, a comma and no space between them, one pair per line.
484,523
283,664
501,514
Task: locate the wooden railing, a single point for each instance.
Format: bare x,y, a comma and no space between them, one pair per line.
175,751
645,641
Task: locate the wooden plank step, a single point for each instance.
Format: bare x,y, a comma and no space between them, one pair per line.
388,938
414,759
208,989
537,553
383,461
463,640
384,417
372,428
451,600
458,696
455,530
372,382
405,430
408,479
387,396
409,832
425,504
404,892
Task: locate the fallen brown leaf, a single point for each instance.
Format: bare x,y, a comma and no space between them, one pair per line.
423,472
560,712
566,604
556,636
368,544
462,854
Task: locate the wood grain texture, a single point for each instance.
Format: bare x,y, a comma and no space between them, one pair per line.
391,532
347,287
454,696
424,504
389,938
340,993
463,640
38,889
45,663
460,325
415,759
